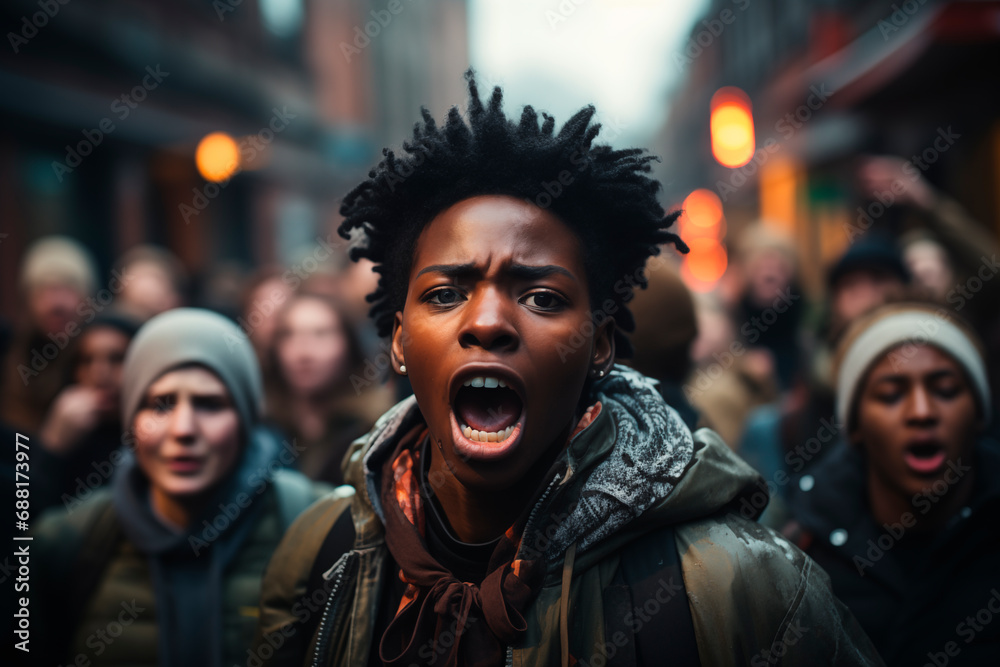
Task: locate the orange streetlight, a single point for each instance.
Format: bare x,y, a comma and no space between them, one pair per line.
731,126
217,157
703,226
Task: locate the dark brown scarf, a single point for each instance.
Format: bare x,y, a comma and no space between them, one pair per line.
442,620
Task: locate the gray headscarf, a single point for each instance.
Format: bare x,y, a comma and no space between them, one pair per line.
193,336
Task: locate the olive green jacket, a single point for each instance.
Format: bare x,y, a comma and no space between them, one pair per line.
118,623
755,599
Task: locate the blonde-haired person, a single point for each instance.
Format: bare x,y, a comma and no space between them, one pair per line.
902,515
164,567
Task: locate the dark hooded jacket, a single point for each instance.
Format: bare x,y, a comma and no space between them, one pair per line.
634,470
917,596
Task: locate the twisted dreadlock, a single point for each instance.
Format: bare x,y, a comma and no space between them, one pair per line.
604,196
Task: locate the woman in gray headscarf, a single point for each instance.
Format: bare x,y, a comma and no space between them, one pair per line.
165,566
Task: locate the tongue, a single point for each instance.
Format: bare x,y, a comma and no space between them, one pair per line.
924,464
487,410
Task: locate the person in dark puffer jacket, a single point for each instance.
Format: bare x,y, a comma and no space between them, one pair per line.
164,567
902,515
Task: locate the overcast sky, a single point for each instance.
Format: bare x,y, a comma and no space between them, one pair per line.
560,55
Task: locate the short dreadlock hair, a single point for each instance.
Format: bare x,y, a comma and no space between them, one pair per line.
607,199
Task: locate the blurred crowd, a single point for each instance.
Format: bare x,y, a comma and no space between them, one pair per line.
761,361
63,363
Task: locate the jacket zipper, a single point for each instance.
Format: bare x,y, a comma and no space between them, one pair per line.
509,662
541,501
342,569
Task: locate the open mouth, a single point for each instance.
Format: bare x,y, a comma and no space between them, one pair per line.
487,410
925,458
185,465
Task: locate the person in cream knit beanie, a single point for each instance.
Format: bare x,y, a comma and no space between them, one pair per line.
903,326
901,513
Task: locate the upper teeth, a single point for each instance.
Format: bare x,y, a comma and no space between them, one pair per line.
487,382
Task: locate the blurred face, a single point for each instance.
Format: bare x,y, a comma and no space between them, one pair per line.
187,433
312,346
54,306
102,351
149,290
264,301
930,267
859,291
769,274
497,337
715,333
916,413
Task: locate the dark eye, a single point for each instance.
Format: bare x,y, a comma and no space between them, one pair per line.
543,301
948,391
210,403
444,297
888,397
160,403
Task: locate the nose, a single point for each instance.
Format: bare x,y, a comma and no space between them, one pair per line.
921,407
182,421
487,322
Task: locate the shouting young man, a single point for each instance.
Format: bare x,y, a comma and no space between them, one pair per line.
532,503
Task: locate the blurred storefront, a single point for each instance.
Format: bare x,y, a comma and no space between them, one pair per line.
105,102
829,81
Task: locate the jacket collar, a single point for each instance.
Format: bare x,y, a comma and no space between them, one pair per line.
833,506
637,466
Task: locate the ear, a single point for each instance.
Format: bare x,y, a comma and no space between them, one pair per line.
604,347
398,359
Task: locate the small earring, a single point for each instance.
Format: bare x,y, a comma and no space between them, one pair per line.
600,374
402,369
